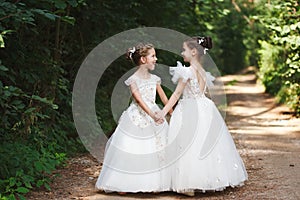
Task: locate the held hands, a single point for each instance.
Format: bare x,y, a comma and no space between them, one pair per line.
159,117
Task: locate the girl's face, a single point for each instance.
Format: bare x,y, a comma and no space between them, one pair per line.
150,59
187,53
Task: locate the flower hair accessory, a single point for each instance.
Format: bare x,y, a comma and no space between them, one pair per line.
131,52
200,41
205,50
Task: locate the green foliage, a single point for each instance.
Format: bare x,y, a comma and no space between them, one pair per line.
271,67
36,131
279,54
26,167
231,50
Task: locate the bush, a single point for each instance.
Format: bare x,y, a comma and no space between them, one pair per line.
279,54
23,167
271,65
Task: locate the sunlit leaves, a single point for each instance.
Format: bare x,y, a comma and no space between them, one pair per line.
282,76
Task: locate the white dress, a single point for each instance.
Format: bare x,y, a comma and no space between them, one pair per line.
134,155
204,155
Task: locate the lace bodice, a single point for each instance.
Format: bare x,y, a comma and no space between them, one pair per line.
146,87
193,89
147,90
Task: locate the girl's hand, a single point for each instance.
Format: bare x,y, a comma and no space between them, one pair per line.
160,121
158,117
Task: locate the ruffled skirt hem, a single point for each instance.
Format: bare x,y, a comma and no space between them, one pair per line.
111,190
206,189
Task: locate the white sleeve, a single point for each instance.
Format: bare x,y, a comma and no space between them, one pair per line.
179,72
130,80
157,79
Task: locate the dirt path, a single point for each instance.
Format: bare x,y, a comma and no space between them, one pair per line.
266,135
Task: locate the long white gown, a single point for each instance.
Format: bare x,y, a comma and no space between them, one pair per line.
134,155
203,152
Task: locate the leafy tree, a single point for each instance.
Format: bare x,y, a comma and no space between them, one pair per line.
279,54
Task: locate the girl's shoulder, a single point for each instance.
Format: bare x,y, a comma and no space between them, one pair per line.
131,79
156,78
134,79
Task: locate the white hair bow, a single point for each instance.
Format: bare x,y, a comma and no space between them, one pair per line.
200,41
131,52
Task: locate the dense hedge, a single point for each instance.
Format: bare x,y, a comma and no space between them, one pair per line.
279,53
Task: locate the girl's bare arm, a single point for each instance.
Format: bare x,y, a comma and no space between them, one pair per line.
163,96
175,96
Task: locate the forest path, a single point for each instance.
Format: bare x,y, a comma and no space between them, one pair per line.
266,135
